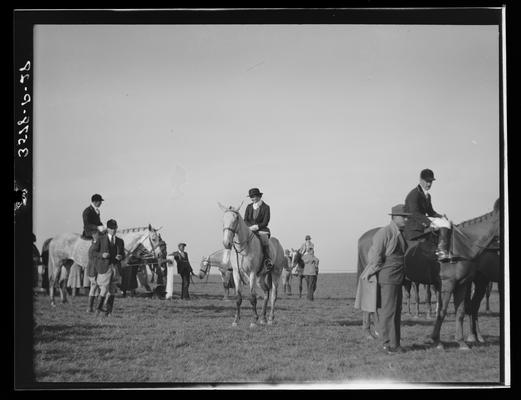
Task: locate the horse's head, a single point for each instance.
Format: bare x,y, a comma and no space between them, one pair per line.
231,221
296,258
153,243
204,267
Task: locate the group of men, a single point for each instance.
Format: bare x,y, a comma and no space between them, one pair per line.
411,223
105,255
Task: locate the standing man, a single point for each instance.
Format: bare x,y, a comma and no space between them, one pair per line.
257,217
307,245
184,269
108,251
386,261
423,218
310,272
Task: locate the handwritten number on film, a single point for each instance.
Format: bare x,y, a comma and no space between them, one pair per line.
24,151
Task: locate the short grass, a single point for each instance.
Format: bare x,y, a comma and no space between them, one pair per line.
193,342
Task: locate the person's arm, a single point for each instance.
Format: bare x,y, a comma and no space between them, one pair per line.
376,255
265,218
430,210
248,215
120,249
412,203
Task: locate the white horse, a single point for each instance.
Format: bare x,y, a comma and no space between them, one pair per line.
143,243
221,260
286,275
246,260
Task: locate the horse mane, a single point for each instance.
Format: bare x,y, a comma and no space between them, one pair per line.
476,220
136,229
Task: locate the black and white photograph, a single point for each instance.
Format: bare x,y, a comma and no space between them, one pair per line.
261,199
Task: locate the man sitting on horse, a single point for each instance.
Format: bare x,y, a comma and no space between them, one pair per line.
257,217
306,246
91,219
424,219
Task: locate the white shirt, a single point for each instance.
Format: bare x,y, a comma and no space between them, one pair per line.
257,204
95,208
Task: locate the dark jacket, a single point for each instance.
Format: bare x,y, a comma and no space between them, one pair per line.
91,221
103,245
420,206
183,264
262,219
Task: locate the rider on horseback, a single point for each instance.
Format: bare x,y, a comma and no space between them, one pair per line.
257,217
91,219
424,219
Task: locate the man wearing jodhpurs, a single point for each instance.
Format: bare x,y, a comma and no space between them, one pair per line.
108,251
424,219
257,217
386,260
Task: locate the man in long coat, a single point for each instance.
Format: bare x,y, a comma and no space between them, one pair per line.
184,269
386,261
310,272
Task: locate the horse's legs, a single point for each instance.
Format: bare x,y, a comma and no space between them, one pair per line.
300,285
480,288
273,299
460,294
264,306
428,299
417,298
487,293
238,309
253,301
407,287
447,287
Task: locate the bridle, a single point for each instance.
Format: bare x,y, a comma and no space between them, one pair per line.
235,231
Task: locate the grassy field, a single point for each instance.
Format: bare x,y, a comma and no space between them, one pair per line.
158,341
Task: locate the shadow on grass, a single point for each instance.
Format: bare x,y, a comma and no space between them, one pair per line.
349,322
414,322
52,333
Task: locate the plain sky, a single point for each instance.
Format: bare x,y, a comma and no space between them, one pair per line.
332,122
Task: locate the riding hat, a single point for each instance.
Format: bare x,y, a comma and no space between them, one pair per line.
308,237
399,210
427,175
112,224
96,197
254,192
181,244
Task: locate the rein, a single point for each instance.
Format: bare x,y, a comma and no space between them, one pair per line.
234,243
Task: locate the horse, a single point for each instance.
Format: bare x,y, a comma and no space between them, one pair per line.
247,262
143,243
469,239
220,260
298,263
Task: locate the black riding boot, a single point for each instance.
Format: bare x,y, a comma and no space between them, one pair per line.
91,304
267,261
442,252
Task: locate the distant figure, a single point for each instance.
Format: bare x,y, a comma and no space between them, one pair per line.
129,276
310,272
306,246
286,273
184,269
424,219
75,280
257,217
386,261
299,269
108,251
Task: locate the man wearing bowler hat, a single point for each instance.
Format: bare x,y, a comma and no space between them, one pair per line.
108,251
91,218
386,261
257,217
424,219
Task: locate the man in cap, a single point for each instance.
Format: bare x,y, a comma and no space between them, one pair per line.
307,245
108,251
386,261
310,272
91,218
424,219
184,269
257,217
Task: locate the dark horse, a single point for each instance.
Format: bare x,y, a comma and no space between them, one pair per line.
469,241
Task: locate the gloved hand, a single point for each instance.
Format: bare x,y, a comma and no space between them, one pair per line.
119,257
105,255
254,228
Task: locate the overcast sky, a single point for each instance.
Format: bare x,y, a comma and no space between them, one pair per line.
332,122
